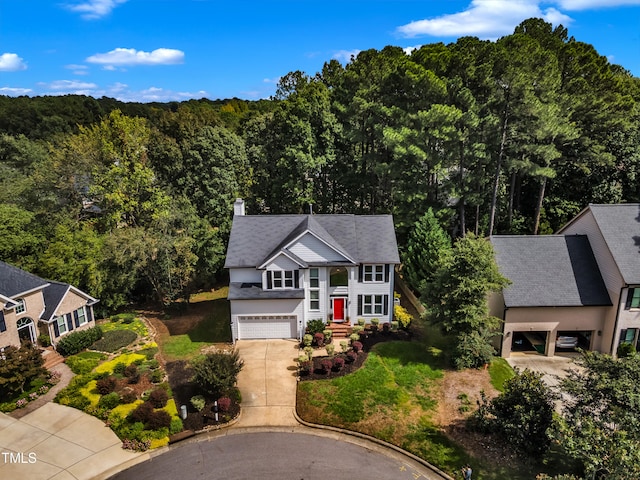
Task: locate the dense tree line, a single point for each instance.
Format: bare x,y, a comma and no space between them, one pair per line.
131,200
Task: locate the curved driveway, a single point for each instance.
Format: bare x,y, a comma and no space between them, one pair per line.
269,455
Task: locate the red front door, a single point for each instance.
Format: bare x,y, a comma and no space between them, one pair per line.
338,309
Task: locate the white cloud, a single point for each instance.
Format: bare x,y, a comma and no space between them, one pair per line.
131,56
345,55
78,69
587,4
14,92
274,80
94,9
483,18
11,62
409,50
70,85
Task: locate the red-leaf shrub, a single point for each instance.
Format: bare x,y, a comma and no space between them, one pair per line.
141,413
158,419
351,356
158,398
338,363
106,385
129,396
326,364
357,346
224,403
131,372
318,339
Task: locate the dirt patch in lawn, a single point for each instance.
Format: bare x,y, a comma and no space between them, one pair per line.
181,322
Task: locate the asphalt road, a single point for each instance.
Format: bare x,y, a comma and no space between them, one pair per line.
274,456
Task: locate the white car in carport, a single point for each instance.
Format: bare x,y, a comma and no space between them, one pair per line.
565,341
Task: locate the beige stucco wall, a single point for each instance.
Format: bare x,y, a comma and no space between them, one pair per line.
34,306
10,336
555,319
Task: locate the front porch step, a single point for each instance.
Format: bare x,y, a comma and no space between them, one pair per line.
340,330
51,358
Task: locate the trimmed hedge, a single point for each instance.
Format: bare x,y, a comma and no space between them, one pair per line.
114,340
75,342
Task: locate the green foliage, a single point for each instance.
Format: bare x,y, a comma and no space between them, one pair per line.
109,401
500,371
522,414
198,402
18,368
158,397
473,350
428,248
625,350
75,342
600,425
44,341
216,373
114,340
316,326
401,316
84,362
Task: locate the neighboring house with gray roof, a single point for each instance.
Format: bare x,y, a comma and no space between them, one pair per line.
288,269
31,306
583,282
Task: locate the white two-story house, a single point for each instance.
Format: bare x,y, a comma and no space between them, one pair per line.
285,270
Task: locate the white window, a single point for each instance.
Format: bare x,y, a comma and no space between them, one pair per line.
279,279
81,316
62,325
20,307
373,273
633,298
288,279
372,304
314,289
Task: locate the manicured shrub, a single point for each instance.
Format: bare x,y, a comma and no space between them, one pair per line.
157,376
158,398
216,373
361,322
153,364
128,396
357,329
114,340
351,356
119,368
305,367
175,426
331,348
328,333
307,340
326,365
344,345
338,364
395,325
109,401
44,340
357,346
157,419
318,339
386,327
141,413
106,385
198,402
354,337
75,342
309,352
625,350
18,367
224,403
315,326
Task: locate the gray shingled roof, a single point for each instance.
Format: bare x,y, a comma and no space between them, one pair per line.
53,295
620,227
549,271
365,238
14,281
249,291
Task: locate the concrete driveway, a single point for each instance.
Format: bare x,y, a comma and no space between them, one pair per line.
554,368
268,382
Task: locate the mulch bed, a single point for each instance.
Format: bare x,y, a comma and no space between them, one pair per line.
368,340
183,389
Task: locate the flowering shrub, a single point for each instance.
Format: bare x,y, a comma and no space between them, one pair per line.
357,346
224,403
306,366
21,403
33,395
54,377
43,389
136,445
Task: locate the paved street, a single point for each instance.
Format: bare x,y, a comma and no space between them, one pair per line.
276,456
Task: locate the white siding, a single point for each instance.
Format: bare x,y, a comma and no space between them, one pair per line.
310,249
245,275
362,288
282,262
626,319
324,298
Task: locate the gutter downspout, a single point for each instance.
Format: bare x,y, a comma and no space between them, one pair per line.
504,324
615,325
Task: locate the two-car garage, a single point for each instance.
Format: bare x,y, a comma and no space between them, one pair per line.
266,326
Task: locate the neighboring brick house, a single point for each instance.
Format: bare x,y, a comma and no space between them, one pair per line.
582,283
31,306
288,269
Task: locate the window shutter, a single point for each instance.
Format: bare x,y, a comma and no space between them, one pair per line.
360,272
3,323
56,330
359,304
387,272
629,298
75,318
296,278
89,311
69,321
269,280
385,300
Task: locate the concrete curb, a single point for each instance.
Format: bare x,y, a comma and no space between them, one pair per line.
377,441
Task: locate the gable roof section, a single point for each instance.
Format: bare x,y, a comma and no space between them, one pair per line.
55,293
549,271
15,282
620,227
255,239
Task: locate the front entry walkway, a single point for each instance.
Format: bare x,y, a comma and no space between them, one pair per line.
267,382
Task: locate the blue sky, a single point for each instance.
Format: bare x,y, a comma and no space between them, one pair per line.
164,50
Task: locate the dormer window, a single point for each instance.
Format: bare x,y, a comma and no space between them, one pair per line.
20,307
282,279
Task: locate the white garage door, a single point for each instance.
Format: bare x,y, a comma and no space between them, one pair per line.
267,326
